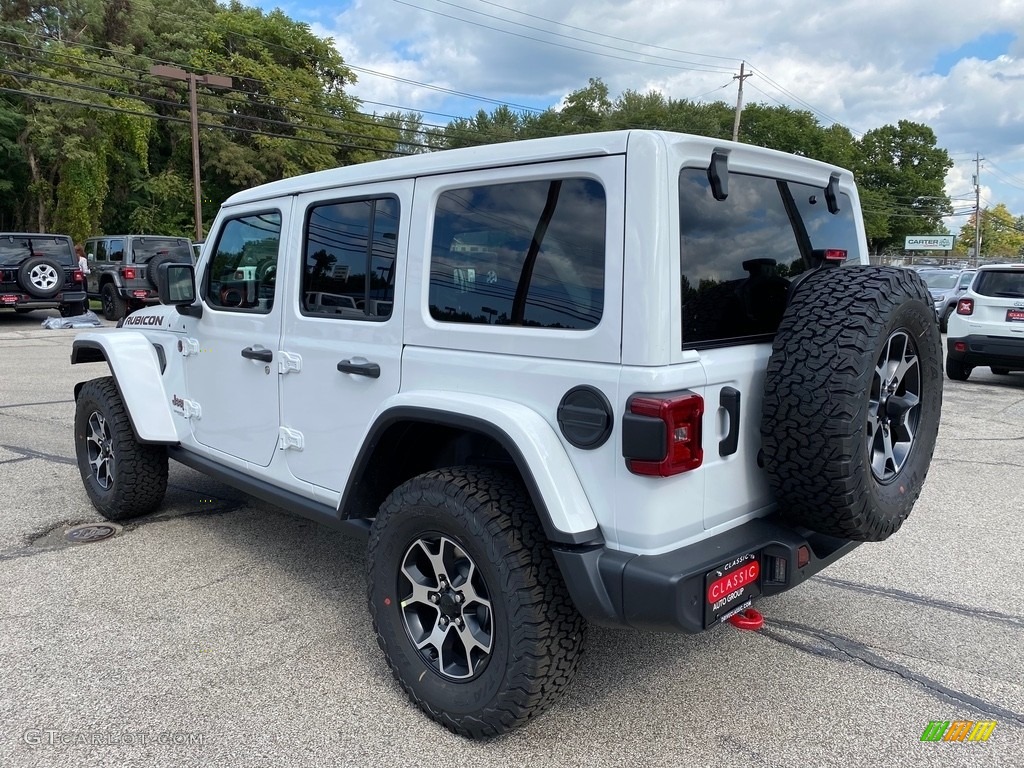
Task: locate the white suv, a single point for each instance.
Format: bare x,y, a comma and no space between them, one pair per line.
636,378
987,327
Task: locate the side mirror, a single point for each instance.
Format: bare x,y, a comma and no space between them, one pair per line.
176,286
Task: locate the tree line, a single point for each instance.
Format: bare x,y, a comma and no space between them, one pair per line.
93,143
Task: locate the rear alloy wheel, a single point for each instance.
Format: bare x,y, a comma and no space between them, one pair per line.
956,370
123,477
468,603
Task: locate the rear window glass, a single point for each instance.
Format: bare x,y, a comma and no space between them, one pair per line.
524,253
15,248
738,255
144,249
1007,283
940,281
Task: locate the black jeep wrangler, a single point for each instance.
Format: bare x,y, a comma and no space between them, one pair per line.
40,271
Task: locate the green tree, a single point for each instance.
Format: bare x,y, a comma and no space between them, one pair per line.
1002,235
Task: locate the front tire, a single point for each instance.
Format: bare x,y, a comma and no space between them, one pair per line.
123,477
467,602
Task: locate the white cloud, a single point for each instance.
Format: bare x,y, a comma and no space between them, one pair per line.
861,62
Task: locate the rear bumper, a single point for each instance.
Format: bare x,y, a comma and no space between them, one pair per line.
27,301
667,592
996,351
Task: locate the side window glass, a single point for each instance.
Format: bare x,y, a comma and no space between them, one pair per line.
525,254
966,280
100,249
350,259
242,274
115,250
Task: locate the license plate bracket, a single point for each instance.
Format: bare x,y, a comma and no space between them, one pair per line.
731,587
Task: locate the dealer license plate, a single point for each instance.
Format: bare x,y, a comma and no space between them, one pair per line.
731,587
1015,315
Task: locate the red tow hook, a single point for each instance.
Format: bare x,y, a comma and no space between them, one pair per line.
750,619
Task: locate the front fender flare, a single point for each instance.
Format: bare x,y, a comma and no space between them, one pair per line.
550,478
134,364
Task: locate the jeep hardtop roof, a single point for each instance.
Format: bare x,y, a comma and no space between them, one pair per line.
520,152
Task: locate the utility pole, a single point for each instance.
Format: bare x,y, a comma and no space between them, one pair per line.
211,81
739,102
977,208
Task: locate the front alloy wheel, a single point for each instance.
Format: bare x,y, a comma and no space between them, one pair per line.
100,448
894,409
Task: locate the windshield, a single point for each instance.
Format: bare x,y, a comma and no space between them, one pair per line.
145,249
1005,283
940,281
16,248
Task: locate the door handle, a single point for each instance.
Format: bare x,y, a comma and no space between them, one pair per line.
729,399
361,369
263,355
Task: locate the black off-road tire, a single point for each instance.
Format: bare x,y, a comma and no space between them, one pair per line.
944,319
153,268
41,276
828,414
1000,371
957,371
123,477
114,305
536,632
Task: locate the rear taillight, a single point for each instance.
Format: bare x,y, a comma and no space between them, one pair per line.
662,434
128,273
965,307
835,254
78,276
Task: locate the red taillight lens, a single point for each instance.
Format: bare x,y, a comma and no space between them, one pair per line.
681,416
78,276
835,254
965,307
128,273
960,346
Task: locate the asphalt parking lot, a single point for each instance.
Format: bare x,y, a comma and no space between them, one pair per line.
220,631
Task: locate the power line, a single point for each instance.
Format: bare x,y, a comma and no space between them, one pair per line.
696,68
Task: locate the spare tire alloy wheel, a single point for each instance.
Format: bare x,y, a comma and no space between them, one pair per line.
41,276
468,603
853,394
894,411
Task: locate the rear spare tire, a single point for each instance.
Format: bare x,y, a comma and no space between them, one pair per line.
852,399
41,277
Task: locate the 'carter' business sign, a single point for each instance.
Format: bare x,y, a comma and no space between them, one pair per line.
929,243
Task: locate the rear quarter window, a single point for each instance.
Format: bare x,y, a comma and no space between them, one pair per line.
521,253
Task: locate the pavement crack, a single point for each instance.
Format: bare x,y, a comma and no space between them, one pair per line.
847,649
995,617
28,453
44,402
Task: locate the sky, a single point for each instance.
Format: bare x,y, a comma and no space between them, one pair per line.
955,66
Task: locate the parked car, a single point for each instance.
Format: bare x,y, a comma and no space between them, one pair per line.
946,286
40,271
123,269
987,327
636,378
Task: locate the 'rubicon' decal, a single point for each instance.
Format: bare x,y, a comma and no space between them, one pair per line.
143,320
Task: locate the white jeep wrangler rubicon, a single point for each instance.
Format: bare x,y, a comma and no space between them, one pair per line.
635,378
